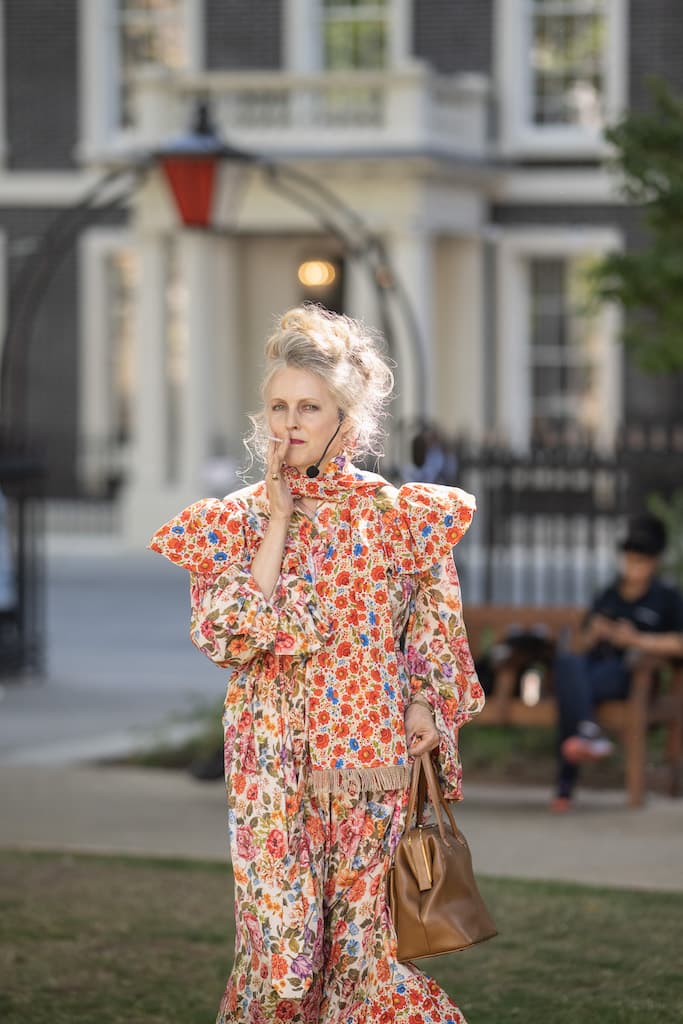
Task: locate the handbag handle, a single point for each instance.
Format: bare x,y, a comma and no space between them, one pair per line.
423,771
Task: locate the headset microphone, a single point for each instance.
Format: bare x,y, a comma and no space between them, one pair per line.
313,471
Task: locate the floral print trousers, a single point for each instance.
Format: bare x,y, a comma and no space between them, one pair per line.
314,937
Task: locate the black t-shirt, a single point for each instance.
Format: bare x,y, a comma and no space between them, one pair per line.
659,610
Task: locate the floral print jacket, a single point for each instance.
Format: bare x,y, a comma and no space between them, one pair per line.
268,642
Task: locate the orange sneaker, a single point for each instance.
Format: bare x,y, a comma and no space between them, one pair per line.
578,748
561,804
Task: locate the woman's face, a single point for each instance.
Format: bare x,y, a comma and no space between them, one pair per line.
301,411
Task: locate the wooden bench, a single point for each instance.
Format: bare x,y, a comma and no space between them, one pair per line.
646,705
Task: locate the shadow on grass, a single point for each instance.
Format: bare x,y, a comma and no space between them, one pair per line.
87,939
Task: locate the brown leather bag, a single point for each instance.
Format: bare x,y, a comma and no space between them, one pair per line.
433,896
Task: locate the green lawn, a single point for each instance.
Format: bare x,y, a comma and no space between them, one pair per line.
99,940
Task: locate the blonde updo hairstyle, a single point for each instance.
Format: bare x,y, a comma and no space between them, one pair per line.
345,353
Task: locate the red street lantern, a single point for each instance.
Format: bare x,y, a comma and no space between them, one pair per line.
190,162
192,180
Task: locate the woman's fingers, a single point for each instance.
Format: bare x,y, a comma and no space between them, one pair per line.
420,743
422,733
277,452
279,495
274,458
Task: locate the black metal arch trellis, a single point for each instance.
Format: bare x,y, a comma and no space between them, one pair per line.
21,631
31,284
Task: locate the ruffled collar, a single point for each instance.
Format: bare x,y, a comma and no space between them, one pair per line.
337,479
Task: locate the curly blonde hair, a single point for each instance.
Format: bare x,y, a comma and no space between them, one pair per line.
346,354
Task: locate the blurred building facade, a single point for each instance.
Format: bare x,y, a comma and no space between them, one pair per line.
467,133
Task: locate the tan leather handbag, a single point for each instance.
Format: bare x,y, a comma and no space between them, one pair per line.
433,896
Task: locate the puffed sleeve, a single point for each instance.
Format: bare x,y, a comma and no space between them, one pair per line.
440,664
425,524
232,621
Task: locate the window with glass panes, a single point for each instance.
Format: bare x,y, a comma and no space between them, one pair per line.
568,58
564,347
150,32
355,34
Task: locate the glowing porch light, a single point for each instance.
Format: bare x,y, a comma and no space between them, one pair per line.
316,273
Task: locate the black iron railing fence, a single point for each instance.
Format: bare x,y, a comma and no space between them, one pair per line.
550,518
548,523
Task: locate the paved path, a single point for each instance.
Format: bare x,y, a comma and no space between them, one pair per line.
120,666
162,813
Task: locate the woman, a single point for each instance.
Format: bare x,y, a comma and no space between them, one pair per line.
335,600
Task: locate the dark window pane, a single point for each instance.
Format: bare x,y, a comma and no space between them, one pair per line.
567,62
359,45
338,42
563,377
370,49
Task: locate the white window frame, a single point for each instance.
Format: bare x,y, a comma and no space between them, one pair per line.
519,136
515,247
100,131
302,41
95,246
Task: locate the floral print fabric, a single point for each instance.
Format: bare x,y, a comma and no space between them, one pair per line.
348,973
374,540
314,935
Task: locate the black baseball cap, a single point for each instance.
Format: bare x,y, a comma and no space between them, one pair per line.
646,534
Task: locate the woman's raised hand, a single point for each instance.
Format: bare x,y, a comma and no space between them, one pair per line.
279,494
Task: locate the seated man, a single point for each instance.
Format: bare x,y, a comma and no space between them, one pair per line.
636,613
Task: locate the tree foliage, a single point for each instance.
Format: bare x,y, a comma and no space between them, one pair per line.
648,282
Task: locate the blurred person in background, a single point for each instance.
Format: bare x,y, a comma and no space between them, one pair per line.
433,461
637,614
334,599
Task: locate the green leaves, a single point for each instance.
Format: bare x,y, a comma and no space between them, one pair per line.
670,511
648,282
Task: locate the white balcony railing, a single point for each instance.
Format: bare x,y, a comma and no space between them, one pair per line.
411,111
